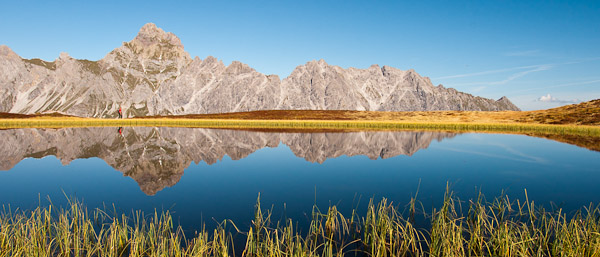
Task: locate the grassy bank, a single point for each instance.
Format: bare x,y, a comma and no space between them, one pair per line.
581,120
475,228
344,125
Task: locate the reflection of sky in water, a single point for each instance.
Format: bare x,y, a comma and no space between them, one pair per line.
551,172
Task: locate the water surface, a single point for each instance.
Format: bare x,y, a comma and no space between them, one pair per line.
205,175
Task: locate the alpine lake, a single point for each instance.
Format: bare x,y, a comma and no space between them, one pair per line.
206,178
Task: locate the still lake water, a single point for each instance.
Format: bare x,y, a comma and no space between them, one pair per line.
207,175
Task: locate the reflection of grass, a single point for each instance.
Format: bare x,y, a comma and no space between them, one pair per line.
498,228
589,142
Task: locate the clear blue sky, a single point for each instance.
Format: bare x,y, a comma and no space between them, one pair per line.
521,49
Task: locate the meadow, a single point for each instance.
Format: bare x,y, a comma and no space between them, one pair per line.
580,120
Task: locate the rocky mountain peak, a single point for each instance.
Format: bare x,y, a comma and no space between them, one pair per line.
62,59
410,72
150,34
153,43
506,104
385,70
64,56
6,52
237,67
210,59
316,63
213,64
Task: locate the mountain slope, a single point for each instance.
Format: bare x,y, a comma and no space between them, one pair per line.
153,75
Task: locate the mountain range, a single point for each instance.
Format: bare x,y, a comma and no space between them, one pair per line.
153,75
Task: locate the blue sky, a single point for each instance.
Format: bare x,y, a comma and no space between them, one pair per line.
540,54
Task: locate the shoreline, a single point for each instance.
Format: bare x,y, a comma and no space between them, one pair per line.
305,125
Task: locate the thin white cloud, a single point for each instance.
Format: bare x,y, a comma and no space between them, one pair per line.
521,74
529,69
492,71
523,53
550,99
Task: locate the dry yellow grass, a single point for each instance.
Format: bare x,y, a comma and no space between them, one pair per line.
587,113
475,227
580,120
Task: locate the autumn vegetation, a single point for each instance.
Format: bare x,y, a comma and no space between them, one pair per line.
576,124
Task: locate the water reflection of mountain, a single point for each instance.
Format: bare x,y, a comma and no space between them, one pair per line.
156,157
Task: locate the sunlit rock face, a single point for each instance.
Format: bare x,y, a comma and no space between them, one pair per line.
320,86
153,75
156,157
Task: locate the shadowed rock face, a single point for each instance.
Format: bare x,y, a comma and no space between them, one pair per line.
153,75
157,157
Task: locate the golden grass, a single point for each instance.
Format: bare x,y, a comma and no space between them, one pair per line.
344,125
580,120
587,113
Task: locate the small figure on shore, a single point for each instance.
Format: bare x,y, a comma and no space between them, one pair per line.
120,113
120,130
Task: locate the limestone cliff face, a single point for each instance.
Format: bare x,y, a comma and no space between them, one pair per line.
156,157
153,75
318,85
209,86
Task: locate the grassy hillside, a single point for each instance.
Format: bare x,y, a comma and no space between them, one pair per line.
587,113
5,115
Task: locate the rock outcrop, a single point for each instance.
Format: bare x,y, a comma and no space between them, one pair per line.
153,75
156,157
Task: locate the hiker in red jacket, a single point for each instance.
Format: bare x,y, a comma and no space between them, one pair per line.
120,113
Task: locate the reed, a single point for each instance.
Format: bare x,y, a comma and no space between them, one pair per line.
501,227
